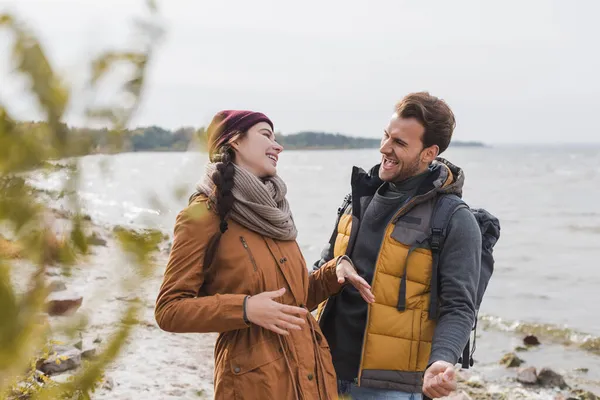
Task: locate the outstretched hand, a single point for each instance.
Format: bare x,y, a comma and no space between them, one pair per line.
439,380
345,271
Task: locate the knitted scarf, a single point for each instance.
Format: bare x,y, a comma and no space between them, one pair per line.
260,205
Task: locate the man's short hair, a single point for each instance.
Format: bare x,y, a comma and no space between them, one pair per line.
434,114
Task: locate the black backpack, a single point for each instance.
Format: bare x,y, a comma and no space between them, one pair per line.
446,206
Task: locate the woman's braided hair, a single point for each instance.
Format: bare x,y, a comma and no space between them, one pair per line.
223,180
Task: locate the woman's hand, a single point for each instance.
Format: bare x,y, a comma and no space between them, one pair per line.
263,311
345,270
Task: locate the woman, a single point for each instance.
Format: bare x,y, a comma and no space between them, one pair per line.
235,268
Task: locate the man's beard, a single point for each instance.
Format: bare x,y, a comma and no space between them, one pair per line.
408,170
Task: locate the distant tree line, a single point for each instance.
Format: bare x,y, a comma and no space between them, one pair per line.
155,138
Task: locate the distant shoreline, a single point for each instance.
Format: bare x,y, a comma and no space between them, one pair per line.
289,147
329,141
157,139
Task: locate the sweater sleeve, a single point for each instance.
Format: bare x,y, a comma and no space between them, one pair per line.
459,266
178,307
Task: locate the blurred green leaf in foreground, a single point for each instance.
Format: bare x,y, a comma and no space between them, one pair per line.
27,234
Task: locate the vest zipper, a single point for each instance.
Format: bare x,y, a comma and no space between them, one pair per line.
362,354
245,244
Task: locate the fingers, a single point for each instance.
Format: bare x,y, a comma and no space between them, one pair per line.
363,287
278,330
440,380
287,325
275,294
432,393
284,323
436,387
449,374
367,295
293,310
447,380
432,390
292,320
445,387
360,281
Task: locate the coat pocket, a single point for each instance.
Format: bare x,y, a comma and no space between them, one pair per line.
262,366
325,352
329,375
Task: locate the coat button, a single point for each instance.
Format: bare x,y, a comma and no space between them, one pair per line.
310,377
236,370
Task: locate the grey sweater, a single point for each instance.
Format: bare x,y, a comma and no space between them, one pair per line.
459,265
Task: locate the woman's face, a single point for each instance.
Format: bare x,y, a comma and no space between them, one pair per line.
257,151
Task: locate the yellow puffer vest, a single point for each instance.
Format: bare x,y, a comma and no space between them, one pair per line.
398,331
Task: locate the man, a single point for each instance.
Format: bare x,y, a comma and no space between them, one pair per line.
406,341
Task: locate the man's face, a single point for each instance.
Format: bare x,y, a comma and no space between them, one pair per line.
401,150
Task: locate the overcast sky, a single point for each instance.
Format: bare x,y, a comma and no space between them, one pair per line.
513,71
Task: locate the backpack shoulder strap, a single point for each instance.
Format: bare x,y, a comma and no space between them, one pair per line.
341,209
347,201
443,211
445,207
327,253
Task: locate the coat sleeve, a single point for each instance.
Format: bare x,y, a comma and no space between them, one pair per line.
178,307
322,283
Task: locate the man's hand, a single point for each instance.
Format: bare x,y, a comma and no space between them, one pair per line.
439,380
345,270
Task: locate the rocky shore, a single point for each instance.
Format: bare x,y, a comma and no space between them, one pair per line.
521,383
156,364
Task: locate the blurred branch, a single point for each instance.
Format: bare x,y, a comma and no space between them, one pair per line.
24,336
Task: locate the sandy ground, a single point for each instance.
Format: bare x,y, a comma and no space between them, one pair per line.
155,364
